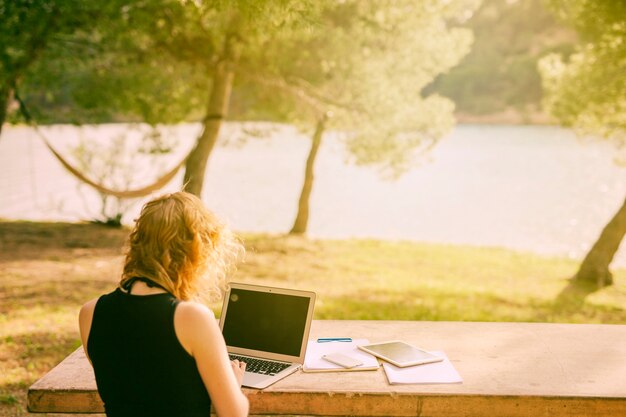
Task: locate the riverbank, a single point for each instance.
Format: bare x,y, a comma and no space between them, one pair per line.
510,117
528,188
47,270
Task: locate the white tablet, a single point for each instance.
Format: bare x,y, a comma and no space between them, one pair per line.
400,353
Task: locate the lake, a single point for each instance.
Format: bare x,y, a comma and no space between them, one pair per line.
530,188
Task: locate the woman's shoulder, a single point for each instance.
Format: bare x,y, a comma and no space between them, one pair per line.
89,307
193,311
195,325
86,313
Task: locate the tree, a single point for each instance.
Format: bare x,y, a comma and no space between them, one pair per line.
158,61
97,71
302,217
361,69
586,91
211,39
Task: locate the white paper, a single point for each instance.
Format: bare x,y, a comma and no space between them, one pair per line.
430,373
313,361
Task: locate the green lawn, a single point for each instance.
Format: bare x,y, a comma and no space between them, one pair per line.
377,280
47,270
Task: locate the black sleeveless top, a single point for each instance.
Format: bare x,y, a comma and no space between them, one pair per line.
141,368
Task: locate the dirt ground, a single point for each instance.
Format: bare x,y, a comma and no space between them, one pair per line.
47,271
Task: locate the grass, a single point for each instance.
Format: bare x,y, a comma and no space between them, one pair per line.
48,270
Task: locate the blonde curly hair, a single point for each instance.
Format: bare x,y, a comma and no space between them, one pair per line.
182,246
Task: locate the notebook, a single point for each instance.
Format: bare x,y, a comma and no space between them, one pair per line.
268,328
431,373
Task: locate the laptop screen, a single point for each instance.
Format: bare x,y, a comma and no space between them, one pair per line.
265,321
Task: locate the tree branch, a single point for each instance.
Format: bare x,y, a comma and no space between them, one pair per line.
311,91
302,91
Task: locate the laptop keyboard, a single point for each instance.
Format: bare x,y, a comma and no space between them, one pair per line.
261,366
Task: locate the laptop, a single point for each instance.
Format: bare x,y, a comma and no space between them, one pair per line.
268,328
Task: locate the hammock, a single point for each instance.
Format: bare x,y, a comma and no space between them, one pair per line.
140,192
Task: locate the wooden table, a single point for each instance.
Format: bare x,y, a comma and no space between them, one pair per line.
509,369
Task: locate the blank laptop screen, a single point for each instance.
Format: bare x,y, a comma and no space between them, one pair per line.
264,321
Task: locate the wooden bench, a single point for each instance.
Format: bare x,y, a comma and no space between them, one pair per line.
509,369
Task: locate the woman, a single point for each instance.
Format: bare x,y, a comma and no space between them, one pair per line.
155,352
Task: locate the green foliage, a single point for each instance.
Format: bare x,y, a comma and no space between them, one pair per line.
500,72
28,29
587,90
402,49
108,71
366,64
150,61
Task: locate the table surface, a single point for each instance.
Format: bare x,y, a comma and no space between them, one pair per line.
508,369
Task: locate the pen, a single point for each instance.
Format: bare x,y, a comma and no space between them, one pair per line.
334,339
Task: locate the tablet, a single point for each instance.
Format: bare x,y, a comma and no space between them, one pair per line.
400,353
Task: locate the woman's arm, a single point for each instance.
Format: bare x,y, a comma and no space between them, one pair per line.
198,332
85,317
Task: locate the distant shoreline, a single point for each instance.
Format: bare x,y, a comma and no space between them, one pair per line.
507,117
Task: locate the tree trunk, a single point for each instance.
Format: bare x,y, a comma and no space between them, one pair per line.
595,267
300,224
5,94
217,109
